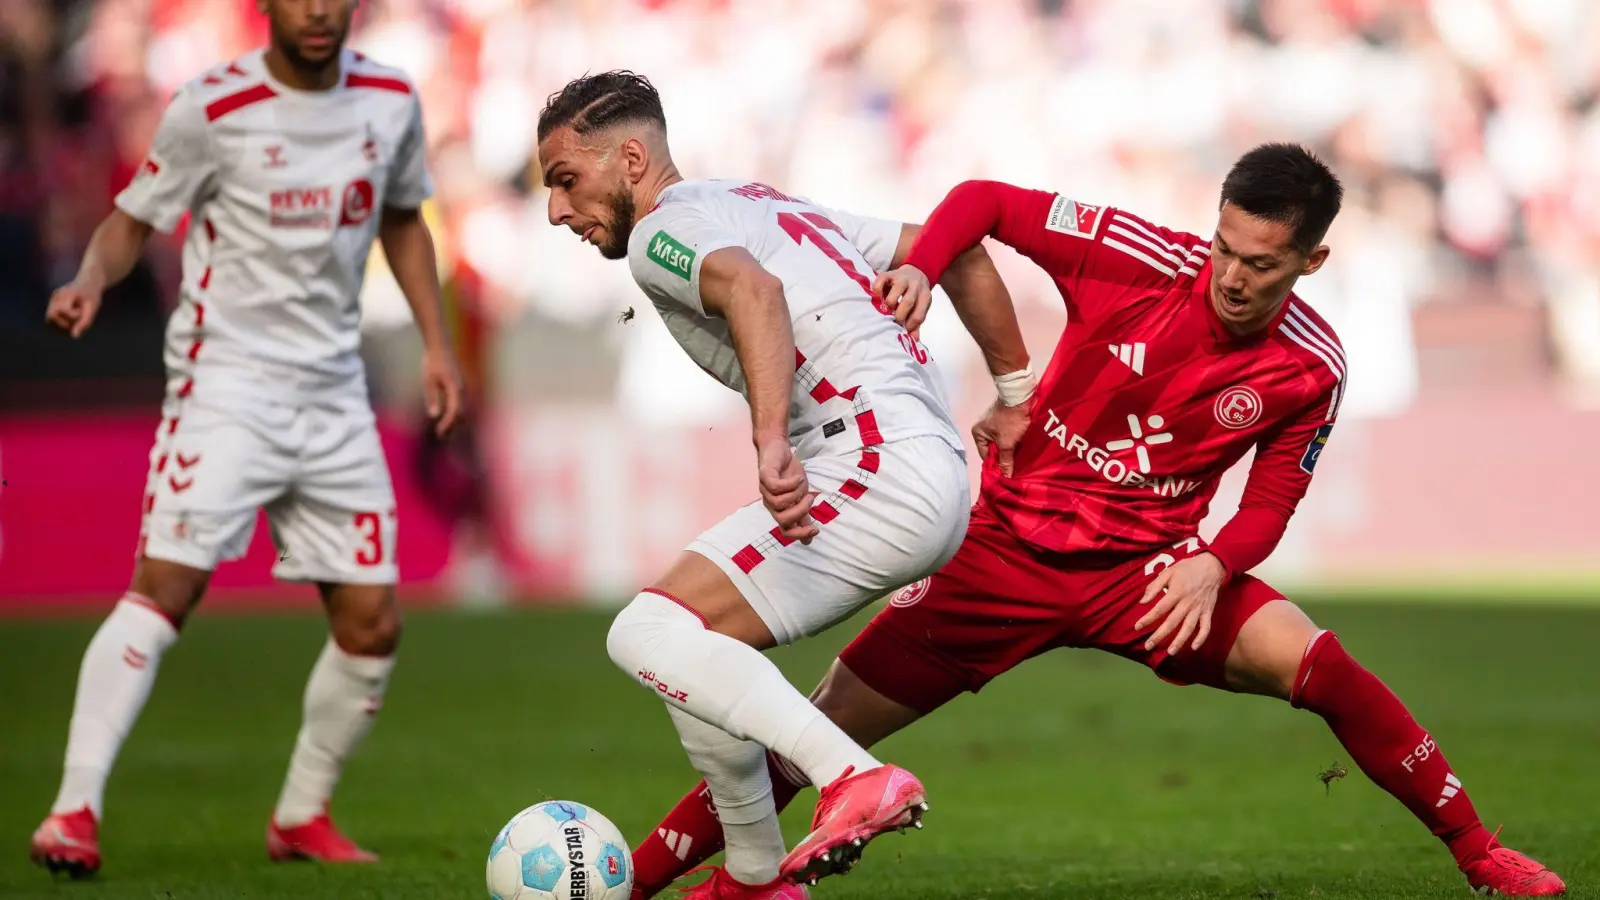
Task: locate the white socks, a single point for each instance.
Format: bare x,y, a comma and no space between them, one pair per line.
736,773
119,668
342,698
113,684
729,684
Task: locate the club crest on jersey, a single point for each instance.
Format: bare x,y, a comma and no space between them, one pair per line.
1074,218
1237,407
359,198
911,593
1314,449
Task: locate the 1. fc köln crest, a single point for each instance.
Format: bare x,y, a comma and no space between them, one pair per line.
357,204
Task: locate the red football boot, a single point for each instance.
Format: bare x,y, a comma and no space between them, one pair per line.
1504,872
317,840
722,886
853,810
68,842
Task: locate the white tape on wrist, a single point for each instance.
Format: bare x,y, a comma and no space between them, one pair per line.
1016,388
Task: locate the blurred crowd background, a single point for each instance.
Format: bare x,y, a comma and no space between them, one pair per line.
1467,258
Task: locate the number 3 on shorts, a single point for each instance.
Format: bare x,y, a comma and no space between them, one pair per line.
370,527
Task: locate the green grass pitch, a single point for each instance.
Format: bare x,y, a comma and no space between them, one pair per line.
1078,776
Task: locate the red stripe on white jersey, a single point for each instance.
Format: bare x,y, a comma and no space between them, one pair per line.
820,388
377,82
199,325
234,102
823,511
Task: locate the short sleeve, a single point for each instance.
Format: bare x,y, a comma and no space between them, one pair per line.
176,171
670,248
409,181
876,239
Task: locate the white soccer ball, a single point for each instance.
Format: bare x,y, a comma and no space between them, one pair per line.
560,850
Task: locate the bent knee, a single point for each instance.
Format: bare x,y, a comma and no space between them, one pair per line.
173,589
621,639
642,625
1267,654
369,632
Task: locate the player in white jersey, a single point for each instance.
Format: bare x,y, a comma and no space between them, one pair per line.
288,162
862,476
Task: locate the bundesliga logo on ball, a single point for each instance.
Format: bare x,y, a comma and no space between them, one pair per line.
559,850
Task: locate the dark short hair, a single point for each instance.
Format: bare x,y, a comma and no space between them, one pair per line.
1287,184
594,102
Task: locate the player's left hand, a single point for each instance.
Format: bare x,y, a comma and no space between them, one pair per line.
443,389
1191,588
906,291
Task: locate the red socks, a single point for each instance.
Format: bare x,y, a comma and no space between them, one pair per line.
691,834
1388,744
1367,718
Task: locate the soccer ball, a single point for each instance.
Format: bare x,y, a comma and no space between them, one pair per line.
559,850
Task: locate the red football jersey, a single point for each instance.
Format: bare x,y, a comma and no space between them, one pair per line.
1148,399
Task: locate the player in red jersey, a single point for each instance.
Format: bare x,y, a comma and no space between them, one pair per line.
1179,356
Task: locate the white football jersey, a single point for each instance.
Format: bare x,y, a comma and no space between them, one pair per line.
284,189
860,378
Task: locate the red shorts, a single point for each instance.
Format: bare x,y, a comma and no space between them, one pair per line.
999,602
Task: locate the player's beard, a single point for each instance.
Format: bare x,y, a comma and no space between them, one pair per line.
290,48
620,228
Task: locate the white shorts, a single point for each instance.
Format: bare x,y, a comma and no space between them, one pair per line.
888,516
317,469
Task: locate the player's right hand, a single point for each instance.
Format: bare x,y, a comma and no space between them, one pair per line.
73,308
1001,429
784,489
907,293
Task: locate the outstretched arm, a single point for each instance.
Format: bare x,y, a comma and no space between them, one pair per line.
984,306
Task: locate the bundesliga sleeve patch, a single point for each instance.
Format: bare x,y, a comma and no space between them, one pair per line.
1308,462
1074,218
666,252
